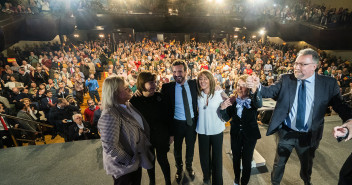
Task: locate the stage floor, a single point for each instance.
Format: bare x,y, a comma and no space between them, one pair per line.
81,163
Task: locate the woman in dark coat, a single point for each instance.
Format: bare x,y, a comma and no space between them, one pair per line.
152,106
244,127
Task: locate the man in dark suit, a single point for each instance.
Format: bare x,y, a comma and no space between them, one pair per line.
47,102
182,98
302,99
62,92
79,130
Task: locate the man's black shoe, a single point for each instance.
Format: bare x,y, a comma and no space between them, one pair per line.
191,173
178,176
53,136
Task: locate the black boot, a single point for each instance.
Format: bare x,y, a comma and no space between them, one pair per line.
191,173
178,176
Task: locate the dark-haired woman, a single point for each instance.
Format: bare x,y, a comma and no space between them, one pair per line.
153,108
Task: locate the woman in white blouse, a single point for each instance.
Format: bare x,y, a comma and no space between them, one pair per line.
210,127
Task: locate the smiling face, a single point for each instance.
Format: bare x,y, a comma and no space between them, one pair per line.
124,94
150,87
179,74
304,67
204,83
242,90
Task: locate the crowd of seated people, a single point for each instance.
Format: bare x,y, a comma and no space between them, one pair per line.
55,82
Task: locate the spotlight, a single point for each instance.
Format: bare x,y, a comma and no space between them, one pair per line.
235,36
262,31
76,35
219,1
286,6
101,35
275,5
254,36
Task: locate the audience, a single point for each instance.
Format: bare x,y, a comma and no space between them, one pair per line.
72,73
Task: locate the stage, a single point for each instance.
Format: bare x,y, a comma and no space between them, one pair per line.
81,162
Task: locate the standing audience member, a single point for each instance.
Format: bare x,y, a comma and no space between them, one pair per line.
124,134
89,114
93,87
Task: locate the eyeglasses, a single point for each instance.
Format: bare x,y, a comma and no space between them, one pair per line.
301,64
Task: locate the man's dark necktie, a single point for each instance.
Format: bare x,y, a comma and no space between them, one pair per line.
186,106
301,107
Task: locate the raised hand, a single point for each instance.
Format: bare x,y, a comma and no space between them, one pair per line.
225,104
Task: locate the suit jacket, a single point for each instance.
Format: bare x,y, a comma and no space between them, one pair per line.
168,91
327,93
26,79
44,104
248,119
73,131
62,95
25,124
126,145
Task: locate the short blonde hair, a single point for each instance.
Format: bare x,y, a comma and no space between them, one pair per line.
110,89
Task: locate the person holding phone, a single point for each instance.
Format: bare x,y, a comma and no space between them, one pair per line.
244,128
210,127
79,130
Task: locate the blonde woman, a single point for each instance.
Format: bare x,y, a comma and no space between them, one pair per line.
244,128
210,127
124,134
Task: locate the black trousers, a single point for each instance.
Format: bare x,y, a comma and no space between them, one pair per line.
161,155
210,155
183,131
94,95
242,148
80,97
133,178
287,140
346,172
